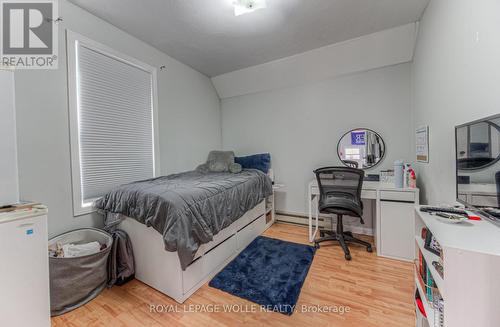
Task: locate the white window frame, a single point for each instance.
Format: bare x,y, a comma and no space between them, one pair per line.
73,41
353,155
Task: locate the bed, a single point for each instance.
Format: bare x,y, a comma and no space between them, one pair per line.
186,227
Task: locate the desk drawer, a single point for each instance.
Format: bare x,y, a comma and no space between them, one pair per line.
397,196
369,194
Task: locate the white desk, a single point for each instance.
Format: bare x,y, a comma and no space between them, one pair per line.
393,221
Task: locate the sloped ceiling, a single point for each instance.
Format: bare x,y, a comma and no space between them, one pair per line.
206,35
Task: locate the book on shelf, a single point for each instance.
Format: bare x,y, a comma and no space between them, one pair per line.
425,278
429,285
431,244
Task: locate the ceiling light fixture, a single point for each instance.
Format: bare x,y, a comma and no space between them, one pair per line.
247,6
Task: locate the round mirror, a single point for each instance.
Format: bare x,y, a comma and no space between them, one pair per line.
478,145
361,148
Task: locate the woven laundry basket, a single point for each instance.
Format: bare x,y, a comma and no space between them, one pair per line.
77,280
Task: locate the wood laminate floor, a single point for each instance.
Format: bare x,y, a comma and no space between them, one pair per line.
377,292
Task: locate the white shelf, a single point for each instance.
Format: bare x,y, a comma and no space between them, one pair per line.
429,311
429,258
465,235
471,249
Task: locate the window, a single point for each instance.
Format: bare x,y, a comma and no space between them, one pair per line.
112,120
352,154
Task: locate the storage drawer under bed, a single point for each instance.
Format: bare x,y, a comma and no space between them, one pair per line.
217,256
204,265
246,235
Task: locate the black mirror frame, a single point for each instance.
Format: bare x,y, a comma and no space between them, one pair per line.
366,129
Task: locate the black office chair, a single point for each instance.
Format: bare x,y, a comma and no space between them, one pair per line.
340,194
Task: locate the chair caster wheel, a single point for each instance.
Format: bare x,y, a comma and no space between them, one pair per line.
369,249
348,257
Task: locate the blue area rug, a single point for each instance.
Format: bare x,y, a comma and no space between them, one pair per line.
269,272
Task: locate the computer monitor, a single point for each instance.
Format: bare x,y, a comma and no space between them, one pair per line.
477,164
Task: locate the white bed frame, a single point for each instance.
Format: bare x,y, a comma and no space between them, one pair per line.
161,269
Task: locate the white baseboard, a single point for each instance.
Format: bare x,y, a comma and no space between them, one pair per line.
301,219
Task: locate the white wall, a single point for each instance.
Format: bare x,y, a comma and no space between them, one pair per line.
384,48
456,77
9,186
300,126
189,118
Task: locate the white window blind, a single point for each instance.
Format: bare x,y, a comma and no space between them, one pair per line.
115,134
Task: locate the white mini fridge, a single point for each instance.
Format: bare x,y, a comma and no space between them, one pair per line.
24,268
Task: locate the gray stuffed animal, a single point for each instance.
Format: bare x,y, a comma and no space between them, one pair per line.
220,161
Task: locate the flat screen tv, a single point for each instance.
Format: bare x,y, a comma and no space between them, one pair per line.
478,166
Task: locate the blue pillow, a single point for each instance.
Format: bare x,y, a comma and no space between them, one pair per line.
261,162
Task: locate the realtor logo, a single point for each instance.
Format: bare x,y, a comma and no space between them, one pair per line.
29,34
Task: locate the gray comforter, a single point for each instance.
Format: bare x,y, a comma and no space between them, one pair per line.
189,208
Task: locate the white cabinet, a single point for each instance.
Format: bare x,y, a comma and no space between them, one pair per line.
396,225
24,272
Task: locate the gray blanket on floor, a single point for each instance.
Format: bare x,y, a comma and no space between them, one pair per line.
189,208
